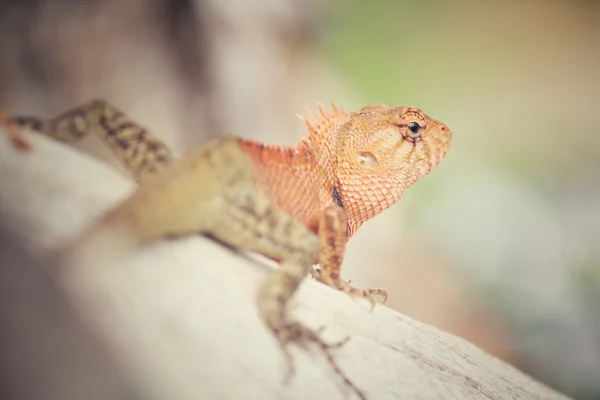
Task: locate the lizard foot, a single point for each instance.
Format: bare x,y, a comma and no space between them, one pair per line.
294,332
345,286
366,294
14,132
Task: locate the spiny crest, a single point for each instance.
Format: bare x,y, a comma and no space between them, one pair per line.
320,129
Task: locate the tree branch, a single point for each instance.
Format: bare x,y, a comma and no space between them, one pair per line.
179,318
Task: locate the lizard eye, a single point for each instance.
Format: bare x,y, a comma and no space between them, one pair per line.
414,128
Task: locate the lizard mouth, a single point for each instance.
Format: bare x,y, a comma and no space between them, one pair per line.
435,146
440,141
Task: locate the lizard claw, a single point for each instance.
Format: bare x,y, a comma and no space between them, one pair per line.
344,286
316,274
14,132
367,294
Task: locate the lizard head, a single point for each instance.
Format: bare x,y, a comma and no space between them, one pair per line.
402,144
379,152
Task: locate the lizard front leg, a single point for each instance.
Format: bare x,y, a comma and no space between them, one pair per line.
142,153
333,238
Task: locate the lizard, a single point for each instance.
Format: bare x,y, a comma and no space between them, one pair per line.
298,205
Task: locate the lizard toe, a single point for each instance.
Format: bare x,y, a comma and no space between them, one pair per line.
367,294
13,132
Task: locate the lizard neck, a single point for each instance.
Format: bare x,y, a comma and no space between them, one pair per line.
365,198
304,185
291,179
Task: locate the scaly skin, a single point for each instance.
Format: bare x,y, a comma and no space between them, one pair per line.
296,205
359,164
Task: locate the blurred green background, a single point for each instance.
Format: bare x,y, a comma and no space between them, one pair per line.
515,208
499,245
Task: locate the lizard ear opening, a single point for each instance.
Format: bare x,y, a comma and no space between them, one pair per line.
367,160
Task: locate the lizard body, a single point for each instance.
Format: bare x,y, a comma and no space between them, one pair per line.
297,205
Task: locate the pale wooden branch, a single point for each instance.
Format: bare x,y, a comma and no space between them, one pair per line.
179,317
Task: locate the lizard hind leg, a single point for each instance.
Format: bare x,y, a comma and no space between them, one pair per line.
332,235
252,223
142,153
67,127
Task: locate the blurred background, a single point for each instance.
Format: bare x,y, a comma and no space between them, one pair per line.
499,245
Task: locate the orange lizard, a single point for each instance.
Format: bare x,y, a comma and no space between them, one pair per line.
297,205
